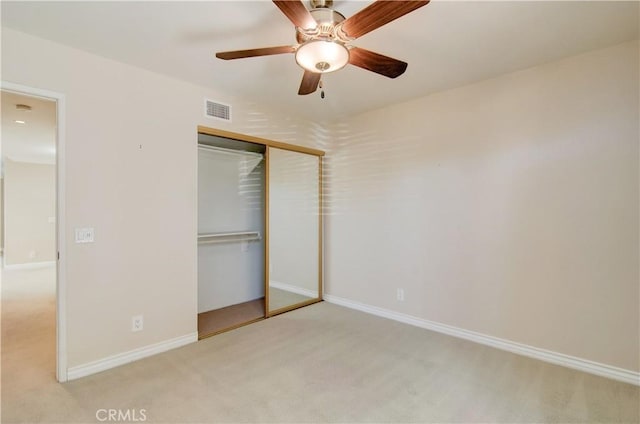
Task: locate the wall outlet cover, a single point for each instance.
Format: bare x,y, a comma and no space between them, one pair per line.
137,323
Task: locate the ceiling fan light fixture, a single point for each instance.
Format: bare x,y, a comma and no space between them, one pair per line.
322,56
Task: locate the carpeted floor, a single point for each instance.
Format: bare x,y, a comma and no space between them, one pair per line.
321,363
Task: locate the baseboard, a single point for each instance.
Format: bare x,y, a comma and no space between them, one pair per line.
130,356
293,289
557,358
30,265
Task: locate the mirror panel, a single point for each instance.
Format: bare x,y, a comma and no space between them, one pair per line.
294,229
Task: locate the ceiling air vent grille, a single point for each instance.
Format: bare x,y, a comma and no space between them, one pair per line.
217,110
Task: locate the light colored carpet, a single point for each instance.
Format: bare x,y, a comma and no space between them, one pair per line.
281,298
321,363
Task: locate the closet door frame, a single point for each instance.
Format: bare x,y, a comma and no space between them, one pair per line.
294,148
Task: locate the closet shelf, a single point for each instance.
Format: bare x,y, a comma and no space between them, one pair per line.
229,237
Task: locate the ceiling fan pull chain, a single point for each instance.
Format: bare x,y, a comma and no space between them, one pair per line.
321,90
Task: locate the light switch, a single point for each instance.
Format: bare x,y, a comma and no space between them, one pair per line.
84,235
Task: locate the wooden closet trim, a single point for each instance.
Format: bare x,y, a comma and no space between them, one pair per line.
267,271
320,230
259,140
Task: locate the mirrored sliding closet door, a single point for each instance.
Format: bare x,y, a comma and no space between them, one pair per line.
294,229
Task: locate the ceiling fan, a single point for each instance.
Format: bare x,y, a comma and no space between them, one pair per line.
324,38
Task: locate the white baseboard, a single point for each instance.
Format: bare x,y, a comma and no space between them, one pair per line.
293,289
30,265
130,356
557,358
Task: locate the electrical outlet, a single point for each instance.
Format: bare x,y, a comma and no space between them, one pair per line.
400,295
137,323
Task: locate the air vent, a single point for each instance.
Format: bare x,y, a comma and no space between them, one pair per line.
217,110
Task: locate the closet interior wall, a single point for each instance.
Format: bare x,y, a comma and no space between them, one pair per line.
231,248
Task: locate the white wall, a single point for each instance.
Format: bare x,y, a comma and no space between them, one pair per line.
30,203
142,201
507,207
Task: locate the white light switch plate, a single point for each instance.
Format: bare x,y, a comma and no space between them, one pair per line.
84,235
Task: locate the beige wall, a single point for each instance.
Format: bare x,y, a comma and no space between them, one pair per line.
141,201
507,207
30,202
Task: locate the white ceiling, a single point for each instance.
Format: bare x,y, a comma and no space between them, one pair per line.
35,140
446,43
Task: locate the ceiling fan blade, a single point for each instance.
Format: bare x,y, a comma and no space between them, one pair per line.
297,13
377,14
310,81
266,51
375,62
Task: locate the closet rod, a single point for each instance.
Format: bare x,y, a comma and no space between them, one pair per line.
228,151
228,237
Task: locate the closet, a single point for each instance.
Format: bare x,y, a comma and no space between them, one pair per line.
259,229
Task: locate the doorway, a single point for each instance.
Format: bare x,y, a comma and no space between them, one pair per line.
30,236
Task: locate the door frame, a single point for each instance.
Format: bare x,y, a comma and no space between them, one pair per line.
61,286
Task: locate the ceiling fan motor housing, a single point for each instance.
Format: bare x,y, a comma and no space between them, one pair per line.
320,3
327,20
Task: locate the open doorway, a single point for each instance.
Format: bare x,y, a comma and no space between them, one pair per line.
28,223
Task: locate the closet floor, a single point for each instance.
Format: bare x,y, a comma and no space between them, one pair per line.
230,317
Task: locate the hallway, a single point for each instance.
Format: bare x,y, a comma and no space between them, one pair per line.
28,329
